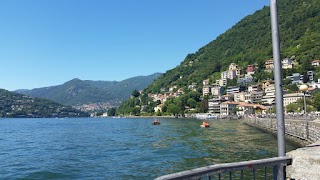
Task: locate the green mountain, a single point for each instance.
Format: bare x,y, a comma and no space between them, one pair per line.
78,92
249,42
17,105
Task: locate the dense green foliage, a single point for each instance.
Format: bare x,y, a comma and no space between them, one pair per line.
78,92
17,105
247,42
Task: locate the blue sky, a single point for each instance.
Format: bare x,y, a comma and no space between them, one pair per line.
48,42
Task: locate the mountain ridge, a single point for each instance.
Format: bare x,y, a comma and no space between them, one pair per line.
78,92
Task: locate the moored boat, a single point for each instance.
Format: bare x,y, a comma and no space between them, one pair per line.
206,116
156,122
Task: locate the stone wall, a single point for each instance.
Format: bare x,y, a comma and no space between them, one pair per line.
305,161
308,131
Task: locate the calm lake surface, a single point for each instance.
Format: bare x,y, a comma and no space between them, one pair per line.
123,148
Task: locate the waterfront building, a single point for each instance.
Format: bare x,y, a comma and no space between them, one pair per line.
292,97
214,104
228,108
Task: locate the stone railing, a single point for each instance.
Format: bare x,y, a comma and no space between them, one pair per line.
303,129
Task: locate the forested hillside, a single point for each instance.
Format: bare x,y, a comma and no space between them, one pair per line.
17,105
249,42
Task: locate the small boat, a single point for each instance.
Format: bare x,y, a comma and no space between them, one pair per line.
205,125
156,122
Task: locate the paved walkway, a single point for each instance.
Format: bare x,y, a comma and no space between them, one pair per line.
306,163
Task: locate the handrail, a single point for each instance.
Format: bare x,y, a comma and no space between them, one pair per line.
211,170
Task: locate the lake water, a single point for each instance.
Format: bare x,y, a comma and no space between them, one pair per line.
123,148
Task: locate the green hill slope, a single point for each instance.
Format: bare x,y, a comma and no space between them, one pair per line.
249,42
17,105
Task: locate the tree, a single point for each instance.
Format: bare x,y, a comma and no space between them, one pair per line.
316,101
135,93
111,111
173,109
192,103
293,107
204,106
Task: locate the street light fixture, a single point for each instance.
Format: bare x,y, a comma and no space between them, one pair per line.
304,88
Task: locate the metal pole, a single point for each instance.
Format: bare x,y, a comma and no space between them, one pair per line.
278,78
305,105
305,114
278,86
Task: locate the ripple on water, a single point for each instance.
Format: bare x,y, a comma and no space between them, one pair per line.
123,148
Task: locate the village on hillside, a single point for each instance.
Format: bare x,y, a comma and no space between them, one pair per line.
247,97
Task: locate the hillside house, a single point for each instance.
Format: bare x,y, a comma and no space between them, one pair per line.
287,63
269,65
217,90
311,75
239,97
206,90
315,63
266,83
254,97
221,82
269,97
235,89
254,87
250,69
205,82
296,78
234,67
245,80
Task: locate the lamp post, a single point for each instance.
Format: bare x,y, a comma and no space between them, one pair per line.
303,88
278,86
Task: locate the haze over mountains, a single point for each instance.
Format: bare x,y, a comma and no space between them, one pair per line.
77,92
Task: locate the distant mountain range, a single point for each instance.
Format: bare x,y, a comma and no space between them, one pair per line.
21,106
78,92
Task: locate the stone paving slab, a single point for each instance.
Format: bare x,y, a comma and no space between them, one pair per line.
306,163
